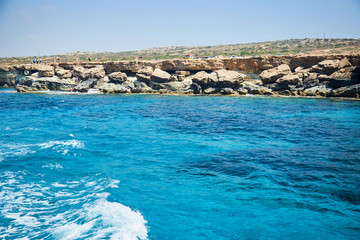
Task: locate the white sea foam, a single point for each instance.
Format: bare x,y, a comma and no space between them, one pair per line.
65,211
56,184
114,183
72,143
105,218
16,150
52,166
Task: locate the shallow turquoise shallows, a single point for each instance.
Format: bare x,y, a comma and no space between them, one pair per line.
178,167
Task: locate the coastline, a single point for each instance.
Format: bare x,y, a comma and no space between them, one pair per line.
329,75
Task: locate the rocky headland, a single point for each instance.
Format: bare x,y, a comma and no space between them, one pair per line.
302,75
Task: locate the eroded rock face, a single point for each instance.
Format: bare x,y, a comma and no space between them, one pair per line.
273,74
46,71
33,84
301,75
143,75
326,67
62,73
7,78
351,91
85,73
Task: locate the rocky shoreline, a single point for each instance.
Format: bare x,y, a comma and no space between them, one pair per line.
324,75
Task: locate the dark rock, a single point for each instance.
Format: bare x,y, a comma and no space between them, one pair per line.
349,91
344,77
86,85
227,91
196,88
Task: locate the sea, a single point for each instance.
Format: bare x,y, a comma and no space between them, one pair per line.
96,166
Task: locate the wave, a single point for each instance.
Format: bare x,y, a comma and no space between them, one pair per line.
65,210
15,150
72,143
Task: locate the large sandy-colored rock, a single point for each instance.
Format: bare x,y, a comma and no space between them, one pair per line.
117,77
271,75
344,63
290,79
326,67
160,76
229,79
85,73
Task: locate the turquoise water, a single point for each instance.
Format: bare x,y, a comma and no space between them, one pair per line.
178,167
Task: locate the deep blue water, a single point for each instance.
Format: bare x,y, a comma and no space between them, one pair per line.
178,167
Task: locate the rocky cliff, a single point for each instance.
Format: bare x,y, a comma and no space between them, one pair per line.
304,75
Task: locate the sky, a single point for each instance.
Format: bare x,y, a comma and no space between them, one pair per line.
46,27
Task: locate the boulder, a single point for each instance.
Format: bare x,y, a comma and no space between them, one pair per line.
227,91
242,91
117,77
141,87
287,81
211,90
229,79
201,78
290,79
85,73
271,75
349,91
160,76
146,71
344,63
326,67
143,78
317,91
113,88
310,80
344,77
86,85
174,86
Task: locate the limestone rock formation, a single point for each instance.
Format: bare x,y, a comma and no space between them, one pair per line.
117,77
273,74
62,73
160,76
143,75
85,73
85,85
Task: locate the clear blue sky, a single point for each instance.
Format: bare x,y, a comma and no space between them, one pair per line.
30,27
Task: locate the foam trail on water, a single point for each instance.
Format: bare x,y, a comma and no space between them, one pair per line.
65,210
